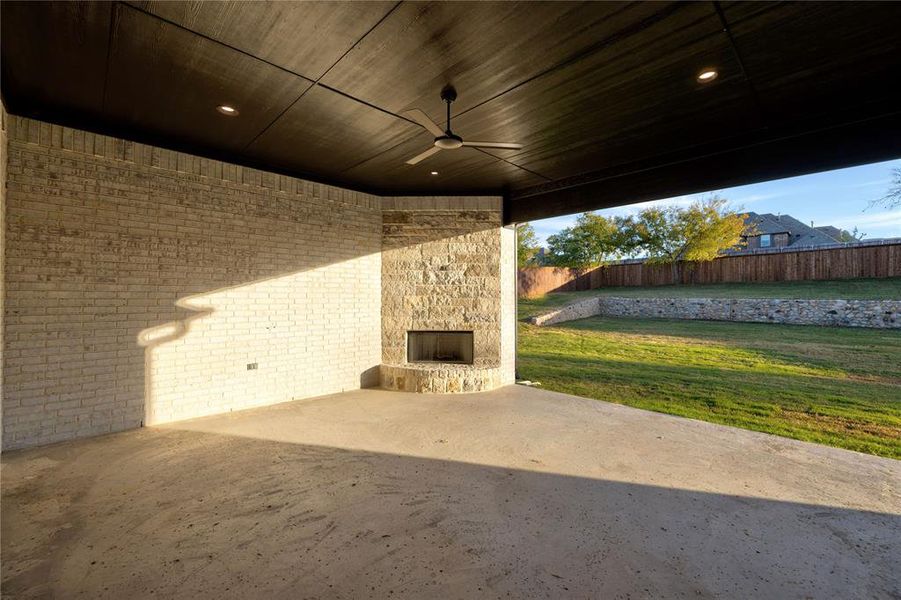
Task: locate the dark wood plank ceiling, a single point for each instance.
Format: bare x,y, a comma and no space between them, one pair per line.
602,95
305,38
165,79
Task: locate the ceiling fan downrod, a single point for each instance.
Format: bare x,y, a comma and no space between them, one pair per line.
448,141
448,94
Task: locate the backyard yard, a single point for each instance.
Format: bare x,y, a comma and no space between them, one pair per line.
836,386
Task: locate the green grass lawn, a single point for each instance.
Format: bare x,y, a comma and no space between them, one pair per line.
836,386
864,289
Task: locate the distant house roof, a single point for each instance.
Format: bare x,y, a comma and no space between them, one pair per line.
799,234
764,224
833,232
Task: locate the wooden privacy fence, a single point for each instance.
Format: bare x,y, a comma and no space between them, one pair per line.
843,262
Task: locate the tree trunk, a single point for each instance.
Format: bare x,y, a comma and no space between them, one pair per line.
677,260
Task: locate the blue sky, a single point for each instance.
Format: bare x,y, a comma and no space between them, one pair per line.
838,198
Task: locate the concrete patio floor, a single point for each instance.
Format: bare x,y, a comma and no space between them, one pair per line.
514,493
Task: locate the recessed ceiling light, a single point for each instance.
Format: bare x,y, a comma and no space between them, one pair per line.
434,172
707,75
225,109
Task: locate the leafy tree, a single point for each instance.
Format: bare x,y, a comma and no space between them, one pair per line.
567,248
892,198
527,245
592,241
700,232
851,236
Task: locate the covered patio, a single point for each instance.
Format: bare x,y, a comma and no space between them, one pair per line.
513,493
259,297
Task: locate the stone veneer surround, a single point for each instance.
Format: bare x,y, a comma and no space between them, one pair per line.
443,270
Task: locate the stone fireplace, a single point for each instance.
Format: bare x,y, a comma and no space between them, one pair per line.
448,295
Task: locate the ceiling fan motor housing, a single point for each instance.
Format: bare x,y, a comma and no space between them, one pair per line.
449,141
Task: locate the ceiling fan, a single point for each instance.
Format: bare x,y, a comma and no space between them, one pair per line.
447,139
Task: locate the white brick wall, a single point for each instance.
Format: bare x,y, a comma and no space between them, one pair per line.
140,282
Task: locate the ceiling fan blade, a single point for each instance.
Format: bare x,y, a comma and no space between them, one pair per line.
424,155
424,120
504,145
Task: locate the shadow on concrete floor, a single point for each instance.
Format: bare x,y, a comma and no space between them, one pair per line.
183,514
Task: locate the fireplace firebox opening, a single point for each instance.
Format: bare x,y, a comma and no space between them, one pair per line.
439,347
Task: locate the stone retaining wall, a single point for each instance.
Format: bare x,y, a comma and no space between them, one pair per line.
883,314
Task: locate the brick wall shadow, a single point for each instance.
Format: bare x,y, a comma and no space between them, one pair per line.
308,333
